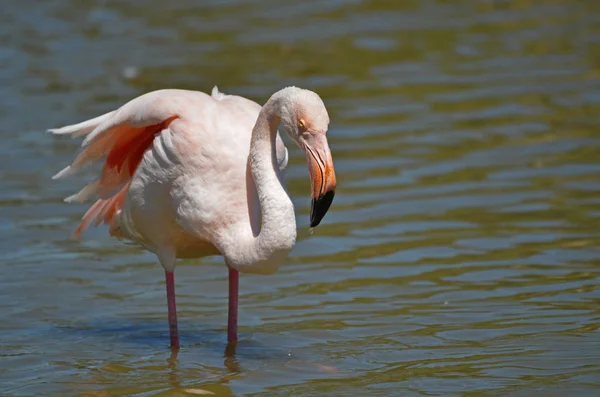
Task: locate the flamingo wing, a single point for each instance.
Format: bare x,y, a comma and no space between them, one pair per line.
120,138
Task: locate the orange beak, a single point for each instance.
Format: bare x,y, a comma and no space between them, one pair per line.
322,175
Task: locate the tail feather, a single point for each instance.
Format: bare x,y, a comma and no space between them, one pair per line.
65,172
83,128
89,191
102,211
94,151
88,218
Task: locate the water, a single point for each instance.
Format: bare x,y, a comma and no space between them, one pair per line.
459,258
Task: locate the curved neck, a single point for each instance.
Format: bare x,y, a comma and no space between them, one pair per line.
265,252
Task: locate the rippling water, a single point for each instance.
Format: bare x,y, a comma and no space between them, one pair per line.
460,257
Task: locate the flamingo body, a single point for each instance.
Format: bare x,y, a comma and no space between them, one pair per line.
190,183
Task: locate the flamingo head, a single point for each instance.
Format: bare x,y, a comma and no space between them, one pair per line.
306,122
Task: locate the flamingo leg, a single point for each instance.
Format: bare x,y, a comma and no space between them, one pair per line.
172,310
234,276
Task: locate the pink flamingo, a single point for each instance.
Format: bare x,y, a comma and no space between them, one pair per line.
188,175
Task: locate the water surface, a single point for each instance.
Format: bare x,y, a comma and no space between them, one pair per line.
460,257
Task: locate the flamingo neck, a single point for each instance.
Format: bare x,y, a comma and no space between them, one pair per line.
265,252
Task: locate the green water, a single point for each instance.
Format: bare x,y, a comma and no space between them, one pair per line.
460,256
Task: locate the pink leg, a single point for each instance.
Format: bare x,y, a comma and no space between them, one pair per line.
234,276
172,310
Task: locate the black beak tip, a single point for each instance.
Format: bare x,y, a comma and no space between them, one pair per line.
319,207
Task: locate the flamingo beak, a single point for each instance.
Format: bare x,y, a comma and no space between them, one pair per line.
322,175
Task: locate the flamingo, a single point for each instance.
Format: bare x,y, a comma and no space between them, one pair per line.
188,175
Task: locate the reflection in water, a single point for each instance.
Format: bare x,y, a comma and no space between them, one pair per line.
231,363
460,257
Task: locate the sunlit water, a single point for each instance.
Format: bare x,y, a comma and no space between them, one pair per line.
460,256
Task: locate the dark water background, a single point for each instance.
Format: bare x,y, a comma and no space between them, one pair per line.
461,256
